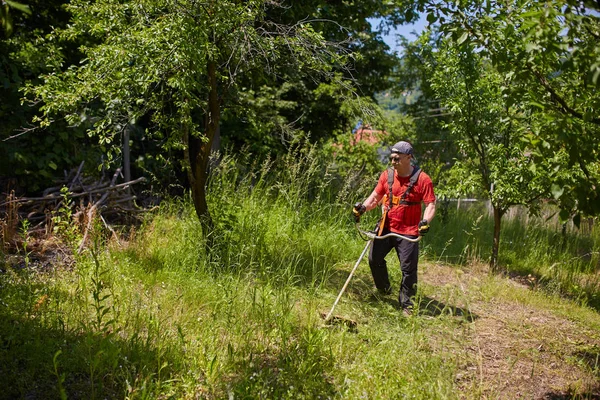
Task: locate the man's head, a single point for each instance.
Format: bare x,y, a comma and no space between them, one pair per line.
402,148
401,156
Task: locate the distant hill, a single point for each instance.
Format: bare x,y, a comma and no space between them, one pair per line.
389,101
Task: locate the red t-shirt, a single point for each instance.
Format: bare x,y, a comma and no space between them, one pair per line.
404,219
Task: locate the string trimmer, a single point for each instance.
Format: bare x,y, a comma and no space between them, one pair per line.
369,237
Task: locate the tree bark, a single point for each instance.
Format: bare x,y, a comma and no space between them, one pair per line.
127,159
199,149
498,213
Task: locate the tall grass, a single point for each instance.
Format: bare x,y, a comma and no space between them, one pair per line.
158,317
545,256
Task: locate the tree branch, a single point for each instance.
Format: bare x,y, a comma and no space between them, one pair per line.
23,132
566,108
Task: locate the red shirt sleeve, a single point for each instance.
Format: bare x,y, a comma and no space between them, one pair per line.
381,188
427,188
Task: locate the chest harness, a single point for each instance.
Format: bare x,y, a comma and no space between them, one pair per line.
395,200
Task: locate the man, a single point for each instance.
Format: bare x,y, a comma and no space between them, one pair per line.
401,215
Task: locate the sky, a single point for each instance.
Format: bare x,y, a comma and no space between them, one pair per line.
419,26
404,30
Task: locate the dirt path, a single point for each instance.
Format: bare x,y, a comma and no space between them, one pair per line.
515,348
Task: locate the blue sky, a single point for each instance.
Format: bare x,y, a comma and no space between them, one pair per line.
404,30
419,26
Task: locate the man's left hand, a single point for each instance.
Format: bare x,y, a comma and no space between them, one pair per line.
423,227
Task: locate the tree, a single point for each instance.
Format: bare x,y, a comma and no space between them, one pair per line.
549,52
6,20
489,130
412,81
271,114
31,156
178,64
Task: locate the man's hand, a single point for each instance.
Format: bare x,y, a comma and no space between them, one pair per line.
423,227
358,210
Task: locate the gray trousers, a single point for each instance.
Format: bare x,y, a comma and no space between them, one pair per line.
408,255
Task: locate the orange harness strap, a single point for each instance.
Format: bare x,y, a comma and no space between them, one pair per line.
395,200
398,201
382,223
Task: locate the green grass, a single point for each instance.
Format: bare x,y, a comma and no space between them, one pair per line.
157,317
151,329
566,265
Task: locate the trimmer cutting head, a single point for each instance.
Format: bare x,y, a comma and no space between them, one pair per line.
339,320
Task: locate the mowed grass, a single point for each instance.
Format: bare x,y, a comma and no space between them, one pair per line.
542,255
157,316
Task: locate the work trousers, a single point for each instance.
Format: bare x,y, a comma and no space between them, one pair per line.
408,255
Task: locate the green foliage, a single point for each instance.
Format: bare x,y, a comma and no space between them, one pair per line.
6,20
24,233
281,195
352,155
175,66
316,107
258,122
154,56
412,80
547,55
155,59
269,120
494,160
101,294
30,155
487,131
243,322
60,377
347,24
560,261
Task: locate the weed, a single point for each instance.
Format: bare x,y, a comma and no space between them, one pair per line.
62,219
60,378
25,238
10,222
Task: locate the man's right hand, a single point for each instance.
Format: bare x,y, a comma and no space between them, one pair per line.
358,210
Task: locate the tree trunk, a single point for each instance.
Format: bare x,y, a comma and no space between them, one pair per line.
498,213
198,152
127,159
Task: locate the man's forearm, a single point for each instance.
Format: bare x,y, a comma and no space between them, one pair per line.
372,201
429,212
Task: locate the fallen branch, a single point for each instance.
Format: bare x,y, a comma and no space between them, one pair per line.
99,199
92,210
57,196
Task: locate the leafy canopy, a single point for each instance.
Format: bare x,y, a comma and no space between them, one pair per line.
548,55
150,57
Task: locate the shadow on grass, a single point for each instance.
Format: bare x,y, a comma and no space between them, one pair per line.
590,356
337,278
434,308
592,394
586,294
41,357
427,306
38,362
300,367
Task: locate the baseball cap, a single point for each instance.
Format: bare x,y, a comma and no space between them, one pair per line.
402,147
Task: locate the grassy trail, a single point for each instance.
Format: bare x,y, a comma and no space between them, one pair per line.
503,338
519,343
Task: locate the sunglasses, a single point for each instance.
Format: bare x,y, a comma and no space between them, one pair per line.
395,158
